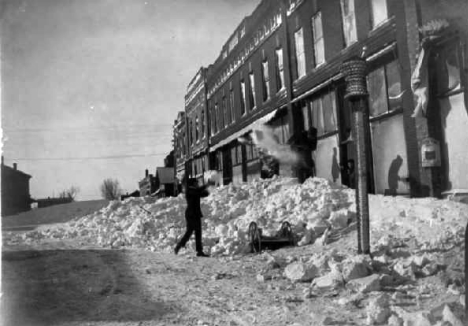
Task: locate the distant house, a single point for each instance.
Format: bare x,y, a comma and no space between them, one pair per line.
136,193
46,202
165,180
147,185
15,190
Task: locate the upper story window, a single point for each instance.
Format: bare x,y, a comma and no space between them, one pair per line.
196,129
349,22
231,105
323,111
266,80
243,97
212,120
215,118
379,12
191,131
226,112
317,34
252,97
279,69
384,86
300,54
202,124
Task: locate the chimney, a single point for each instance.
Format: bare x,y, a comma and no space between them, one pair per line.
3,160
15,166
146,173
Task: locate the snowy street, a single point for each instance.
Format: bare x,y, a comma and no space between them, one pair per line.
116,266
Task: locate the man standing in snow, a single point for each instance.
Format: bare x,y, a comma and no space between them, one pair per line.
193,215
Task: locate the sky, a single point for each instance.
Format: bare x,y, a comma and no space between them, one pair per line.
91,88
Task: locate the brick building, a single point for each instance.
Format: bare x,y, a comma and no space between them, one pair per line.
197,126
281,67
15,190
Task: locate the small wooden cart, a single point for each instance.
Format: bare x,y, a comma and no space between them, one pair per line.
258,242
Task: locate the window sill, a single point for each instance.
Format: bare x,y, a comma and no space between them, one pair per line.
388,114
282,90
298,80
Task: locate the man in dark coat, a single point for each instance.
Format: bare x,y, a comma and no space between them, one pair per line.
193,215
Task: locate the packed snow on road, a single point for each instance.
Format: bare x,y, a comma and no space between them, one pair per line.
417,244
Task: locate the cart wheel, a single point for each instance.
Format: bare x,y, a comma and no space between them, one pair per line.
254,238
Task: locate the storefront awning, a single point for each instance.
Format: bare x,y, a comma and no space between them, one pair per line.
266,118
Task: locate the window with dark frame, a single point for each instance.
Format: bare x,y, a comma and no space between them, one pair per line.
266,80
252,97
231,105
226,112
279,69
379,13
318,41
323,113
300,53
196,129
243,97
349,22
384,86
221,116
215,117
202,122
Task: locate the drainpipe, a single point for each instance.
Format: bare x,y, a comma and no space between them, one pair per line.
466,271
355,71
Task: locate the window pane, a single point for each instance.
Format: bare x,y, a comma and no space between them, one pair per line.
319,50
231,106
395,95
242,97
377,92
317,26
317,116
317,34
300,57
349,21
252,97
305,116
379,11
279,69
266,81
329,112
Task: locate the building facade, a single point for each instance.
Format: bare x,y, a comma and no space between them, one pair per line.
282,67
180,148
15,190
197,126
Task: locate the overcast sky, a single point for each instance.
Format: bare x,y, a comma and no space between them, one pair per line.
91,88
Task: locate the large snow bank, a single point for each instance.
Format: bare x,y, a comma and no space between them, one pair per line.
156,224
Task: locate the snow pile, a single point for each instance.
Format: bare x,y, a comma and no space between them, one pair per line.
311,208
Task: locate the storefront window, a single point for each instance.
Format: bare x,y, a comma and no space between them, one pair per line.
384,86
324,113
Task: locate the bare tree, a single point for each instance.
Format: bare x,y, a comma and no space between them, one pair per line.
69,193
110,189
